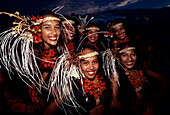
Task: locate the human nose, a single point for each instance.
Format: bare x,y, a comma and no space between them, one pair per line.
129,58
53,31
91,66
119,31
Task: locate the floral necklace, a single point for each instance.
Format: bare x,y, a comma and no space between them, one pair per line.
49,58
70,47
117,42
136,78
93,88
95,44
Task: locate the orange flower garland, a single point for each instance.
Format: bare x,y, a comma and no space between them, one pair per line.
95,44
70,46
95,89
49,57
136,78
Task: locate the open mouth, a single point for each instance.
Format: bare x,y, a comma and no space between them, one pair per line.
91,73
53,38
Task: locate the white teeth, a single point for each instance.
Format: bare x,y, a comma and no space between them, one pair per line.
70,34
93,38
52,38
91,73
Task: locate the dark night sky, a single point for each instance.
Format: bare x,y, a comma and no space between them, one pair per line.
79,6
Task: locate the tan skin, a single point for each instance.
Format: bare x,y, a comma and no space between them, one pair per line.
69,31
128,59
119,31
92,35
89,67
50,31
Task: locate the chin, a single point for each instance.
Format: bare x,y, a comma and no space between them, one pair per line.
90,77
129,67
70,39
53,44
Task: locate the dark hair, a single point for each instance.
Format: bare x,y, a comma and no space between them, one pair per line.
87,46
76,37
60,46
118,20
129,30
92,24
126,44
137,51
46,12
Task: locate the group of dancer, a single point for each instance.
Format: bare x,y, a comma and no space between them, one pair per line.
55,64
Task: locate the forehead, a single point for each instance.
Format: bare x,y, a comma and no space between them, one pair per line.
87,51
118,26
50,21
129,51
68,25
93,31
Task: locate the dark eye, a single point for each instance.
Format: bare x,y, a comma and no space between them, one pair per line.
124,55
96,61
90,32
57,27
115,31
47,27
133,54
85,62
121,28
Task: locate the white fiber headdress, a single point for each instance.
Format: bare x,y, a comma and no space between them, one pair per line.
109,65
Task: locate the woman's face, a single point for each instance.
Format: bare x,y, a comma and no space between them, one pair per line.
128,58
90,65
92,35
119,31
69,32
50,32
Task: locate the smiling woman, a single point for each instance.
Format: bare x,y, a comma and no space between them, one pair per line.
135,92
35,44
89,66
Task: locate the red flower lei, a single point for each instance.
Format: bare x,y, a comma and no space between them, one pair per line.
136,78
36,31
70,46
95,44
49,57
117,42
95,89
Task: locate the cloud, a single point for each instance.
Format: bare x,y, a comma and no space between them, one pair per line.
111,5
88,6
126,2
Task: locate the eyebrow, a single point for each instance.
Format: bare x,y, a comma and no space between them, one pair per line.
50,25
